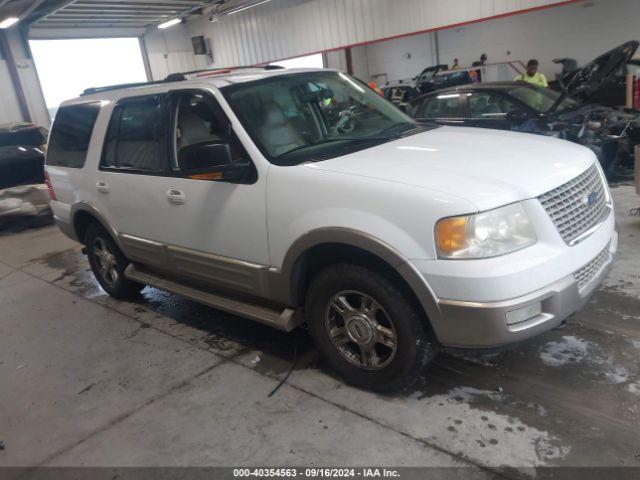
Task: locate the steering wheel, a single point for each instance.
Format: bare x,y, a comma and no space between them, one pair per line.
346,122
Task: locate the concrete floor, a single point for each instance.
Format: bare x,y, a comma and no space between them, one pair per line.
86,380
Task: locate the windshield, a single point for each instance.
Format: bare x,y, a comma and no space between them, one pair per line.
541,99
314,115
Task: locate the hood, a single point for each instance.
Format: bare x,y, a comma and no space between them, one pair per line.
590,77
488,168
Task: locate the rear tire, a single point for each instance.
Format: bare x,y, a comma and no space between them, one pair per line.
367,329
108,264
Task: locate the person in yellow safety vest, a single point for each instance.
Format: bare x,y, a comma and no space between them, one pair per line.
531,75
455,65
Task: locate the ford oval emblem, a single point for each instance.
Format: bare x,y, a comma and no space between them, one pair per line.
591,199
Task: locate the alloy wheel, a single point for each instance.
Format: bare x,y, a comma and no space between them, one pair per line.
361,330
106,261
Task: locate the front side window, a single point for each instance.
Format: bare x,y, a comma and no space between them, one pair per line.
199,120
71,134
134,137
442,106
315,115
488,105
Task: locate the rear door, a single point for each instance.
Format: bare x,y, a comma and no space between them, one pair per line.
133,161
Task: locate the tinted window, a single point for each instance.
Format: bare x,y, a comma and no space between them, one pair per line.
489,105
442,106
71,134
133,139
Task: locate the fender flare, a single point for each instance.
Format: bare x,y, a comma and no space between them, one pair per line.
281,280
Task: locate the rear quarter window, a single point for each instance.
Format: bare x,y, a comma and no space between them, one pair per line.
71,134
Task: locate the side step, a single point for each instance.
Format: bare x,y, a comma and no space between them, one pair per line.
285,320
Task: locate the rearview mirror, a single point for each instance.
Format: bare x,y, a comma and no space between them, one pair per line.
212,161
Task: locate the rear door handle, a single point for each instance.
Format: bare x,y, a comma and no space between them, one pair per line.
102,187
177,197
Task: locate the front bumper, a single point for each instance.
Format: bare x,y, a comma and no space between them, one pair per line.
485,325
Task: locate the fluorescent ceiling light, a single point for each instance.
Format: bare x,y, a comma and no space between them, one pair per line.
241,9
170,23
7,22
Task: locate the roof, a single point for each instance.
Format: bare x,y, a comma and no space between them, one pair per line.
197,80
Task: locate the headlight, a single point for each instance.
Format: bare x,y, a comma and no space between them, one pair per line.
483,235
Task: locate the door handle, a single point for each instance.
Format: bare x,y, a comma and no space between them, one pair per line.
176,196
102,187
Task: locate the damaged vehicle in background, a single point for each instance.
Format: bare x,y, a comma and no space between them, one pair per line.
431,78
604,80
23,191
610,133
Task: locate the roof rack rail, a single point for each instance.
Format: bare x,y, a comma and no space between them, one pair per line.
92,90
222,70
177,77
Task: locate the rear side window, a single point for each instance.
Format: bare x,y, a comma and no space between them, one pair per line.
71,134
134,137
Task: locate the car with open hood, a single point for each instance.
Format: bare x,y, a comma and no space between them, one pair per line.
302,196
604,80
518,106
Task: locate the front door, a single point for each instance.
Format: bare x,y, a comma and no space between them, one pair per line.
203,229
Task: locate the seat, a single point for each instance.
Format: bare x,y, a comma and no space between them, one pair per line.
198,124
276,133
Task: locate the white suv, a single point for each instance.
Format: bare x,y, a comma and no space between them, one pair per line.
303,196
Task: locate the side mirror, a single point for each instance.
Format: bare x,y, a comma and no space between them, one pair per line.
212,161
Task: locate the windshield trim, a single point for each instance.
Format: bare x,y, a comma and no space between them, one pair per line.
280,160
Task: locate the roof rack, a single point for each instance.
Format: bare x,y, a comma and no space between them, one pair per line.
223,70
91,91
178,77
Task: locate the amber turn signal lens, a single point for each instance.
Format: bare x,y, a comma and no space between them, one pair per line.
451,234
207,176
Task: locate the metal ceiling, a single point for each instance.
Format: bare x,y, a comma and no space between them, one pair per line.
117,13
103,16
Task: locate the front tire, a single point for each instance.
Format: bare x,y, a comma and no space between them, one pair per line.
108,264
367,329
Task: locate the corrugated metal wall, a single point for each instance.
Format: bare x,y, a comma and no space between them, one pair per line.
288,28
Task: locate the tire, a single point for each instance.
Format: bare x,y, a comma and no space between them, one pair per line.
108,264
356,316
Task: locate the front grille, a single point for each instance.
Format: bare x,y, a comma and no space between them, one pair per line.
570,207
591,269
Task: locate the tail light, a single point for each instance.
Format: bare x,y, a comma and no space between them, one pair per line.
47,180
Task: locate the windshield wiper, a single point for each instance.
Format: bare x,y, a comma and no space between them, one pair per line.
333,140
393,128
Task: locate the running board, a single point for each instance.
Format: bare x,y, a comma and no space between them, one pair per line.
285,320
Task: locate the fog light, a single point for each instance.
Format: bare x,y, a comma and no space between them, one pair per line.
523,314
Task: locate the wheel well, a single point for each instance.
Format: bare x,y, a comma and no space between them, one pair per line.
81,222
324,255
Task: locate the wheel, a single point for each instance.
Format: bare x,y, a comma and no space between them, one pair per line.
108,264
367,329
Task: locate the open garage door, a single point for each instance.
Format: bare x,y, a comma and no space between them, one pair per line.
67,67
